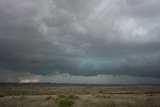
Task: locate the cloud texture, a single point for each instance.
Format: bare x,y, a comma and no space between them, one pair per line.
80,37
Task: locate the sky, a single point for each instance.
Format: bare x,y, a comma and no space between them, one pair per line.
80,41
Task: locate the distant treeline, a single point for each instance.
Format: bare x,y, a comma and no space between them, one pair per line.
71,84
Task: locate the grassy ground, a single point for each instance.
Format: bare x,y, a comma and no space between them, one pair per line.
27,96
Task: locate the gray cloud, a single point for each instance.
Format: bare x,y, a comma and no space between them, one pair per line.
80,37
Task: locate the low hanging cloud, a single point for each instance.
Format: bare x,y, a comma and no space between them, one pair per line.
82,37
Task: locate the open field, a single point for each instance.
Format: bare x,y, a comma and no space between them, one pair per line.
78,96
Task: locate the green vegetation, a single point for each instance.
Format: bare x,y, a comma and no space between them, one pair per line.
66,102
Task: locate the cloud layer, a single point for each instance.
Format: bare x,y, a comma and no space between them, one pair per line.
82,37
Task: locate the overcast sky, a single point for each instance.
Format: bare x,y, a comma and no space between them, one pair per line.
80,40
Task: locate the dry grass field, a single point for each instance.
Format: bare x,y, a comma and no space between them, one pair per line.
36,96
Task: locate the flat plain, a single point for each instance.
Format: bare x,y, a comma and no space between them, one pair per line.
79,96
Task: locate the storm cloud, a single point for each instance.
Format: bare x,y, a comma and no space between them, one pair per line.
80,37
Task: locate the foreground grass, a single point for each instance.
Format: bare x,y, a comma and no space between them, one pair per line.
26,96
124,100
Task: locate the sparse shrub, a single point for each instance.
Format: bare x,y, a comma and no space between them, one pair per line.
72,96
103,96
2,95
100,91
108,96
61,96
111,94
66,102
49,98
87,92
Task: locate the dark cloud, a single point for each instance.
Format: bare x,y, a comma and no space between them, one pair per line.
80,37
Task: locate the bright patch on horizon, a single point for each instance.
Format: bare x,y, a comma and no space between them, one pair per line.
29,81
